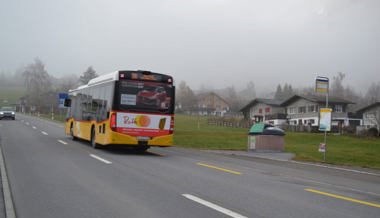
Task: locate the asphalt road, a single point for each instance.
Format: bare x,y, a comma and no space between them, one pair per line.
52,176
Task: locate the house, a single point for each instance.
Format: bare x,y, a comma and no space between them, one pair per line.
211,104
304,110
265,110
371,115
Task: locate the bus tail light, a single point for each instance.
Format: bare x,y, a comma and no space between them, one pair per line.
171,130
113,122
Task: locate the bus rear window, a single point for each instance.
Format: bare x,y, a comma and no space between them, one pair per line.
146,96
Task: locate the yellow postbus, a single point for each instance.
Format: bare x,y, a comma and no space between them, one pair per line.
131,108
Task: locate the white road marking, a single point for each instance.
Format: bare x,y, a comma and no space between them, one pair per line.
214,206
100,159
62,142
34,127
45,133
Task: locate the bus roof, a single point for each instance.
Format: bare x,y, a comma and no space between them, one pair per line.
104,78
109,77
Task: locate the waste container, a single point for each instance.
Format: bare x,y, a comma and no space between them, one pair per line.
265,137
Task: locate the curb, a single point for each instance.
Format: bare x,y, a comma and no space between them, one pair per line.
8,200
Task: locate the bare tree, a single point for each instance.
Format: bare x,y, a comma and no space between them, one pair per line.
248,93
89,74
337,88
185,97
67,82
37,81
233,99
373,93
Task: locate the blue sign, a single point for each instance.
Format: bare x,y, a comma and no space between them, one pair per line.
61,99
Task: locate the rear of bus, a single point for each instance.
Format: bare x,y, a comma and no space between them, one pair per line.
143,110
131,108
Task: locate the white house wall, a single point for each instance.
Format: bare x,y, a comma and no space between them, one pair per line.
343,116
369,117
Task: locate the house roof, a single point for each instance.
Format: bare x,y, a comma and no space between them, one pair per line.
316,98
375,104
271,102
204,95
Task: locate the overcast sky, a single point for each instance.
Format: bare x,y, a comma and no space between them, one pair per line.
210,42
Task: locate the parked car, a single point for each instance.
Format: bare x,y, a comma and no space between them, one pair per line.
7,113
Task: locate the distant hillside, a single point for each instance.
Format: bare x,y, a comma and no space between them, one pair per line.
11,94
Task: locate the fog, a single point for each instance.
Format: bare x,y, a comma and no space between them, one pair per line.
215,43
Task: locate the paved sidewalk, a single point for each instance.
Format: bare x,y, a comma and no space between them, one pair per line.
281,156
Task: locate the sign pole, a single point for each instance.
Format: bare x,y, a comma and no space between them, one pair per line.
325,141
322,86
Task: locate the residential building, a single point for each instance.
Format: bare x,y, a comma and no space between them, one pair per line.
265,110
304,110
212,104
371,115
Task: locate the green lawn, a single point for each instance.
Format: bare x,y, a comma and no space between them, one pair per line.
193,132
342,150
11,95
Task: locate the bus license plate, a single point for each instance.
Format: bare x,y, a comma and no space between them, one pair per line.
143,138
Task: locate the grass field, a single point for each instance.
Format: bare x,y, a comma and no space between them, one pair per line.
10,95
193,132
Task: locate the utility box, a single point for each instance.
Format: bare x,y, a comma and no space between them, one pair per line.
266,137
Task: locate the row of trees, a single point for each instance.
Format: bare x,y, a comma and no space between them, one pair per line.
186,97
42,88
40,84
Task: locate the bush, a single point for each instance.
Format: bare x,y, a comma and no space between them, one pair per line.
372,132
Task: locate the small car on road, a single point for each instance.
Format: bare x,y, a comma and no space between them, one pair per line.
7,113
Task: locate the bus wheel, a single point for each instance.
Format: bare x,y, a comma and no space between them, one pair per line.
93,138
72,133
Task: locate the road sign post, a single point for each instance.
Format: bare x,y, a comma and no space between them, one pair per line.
322,86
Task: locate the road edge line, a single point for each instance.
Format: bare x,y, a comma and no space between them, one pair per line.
8,199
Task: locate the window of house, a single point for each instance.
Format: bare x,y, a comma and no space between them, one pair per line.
302,110
291,110
267,110
338,108
260,111
312,108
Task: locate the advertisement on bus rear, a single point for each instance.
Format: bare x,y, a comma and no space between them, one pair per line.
143,124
